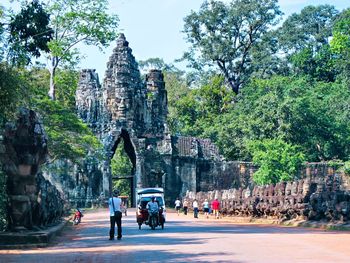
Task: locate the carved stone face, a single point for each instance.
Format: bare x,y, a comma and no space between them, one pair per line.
319,188
306,186
282,188
271,190
288,188
300,186
336,183
295,188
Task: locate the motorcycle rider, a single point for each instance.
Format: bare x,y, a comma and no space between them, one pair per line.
77,216
152,207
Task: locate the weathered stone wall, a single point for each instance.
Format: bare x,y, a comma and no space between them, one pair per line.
200,167
33,201
80,183
315,197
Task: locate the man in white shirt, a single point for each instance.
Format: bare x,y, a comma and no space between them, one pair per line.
177,206
195,208
114,204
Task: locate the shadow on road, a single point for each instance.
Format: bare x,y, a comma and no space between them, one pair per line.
88,242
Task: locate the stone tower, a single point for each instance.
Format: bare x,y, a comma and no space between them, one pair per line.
124,107
157,104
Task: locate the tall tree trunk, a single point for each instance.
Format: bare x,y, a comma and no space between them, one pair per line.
52,91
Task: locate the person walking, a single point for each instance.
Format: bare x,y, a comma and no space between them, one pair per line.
114,204
216,207
195,208
185,206
177,206
206,208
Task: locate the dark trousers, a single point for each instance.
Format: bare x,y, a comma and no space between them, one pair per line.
195,212
114,220
185,210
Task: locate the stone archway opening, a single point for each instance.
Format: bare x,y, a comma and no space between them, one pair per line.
123,166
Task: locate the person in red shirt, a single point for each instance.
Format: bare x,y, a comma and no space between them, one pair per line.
216,207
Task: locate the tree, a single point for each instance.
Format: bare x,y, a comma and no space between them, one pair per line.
177,88
304,38
68,137
156,63
303,112
341,32
311,28
223,35
12,92
74,22
340,44
278,161
1,32
29,33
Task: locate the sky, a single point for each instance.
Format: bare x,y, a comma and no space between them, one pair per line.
153,27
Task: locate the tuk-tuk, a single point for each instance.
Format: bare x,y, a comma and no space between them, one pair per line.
144,195
125,200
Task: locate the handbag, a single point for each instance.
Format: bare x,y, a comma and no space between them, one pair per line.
116,213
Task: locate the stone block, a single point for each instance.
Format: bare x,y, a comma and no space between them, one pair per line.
19,198
2,148
24,170
30,189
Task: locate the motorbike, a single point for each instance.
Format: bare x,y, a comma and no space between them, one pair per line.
77,217
155,219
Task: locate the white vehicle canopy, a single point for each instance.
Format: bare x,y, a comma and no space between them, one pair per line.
144,196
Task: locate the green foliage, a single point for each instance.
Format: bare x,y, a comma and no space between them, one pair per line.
29,33
303,112
2,29
11,92
121,166
308,29
77,21
278,161
336,164
67,83
340,44
193,111
318,65
303,37
177,88
3,201
341,33
156,63
346,168
299,111
69,137
223,35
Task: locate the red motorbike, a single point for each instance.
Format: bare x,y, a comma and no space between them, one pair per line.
77,217
156,219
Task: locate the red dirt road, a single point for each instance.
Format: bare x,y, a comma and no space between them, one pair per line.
185,239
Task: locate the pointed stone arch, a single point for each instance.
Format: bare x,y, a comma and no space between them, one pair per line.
130,150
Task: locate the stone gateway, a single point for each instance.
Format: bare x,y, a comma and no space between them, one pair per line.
127,108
